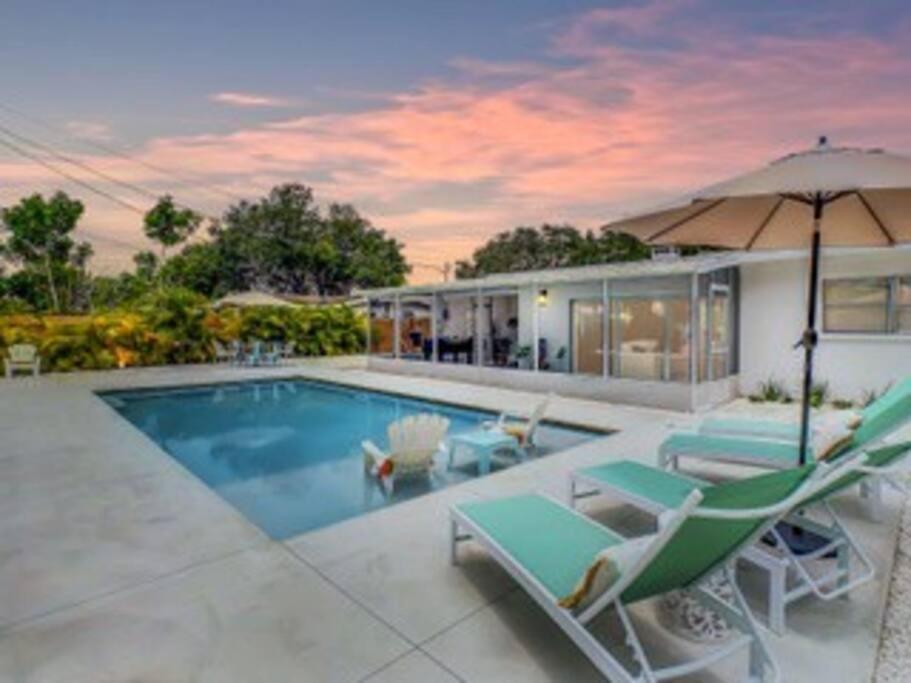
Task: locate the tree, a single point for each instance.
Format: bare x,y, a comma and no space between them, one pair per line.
39,238
284,243
198,268
550,246
169,225
146,263
361,256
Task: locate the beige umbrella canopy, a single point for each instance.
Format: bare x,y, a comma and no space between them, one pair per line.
830,196
252,298
865,194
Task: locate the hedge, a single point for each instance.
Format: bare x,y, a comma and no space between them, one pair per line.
175,327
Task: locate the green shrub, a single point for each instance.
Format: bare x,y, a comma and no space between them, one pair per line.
174,326
771,391
819,394
842,403
869,396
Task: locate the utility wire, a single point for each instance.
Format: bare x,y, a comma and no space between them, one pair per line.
89,169
99,237
82,183
74,179
110,149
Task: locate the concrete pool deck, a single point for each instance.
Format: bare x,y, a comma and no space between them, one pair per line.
117,564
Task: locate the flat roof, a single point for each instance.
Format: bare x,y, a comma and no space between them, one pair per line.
701,263
645,268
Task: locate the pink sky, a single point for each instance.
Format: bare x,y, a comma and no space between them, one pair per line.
595,128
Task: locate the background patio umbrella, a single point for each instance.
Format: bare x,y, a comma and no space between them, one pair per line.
252,298
829,196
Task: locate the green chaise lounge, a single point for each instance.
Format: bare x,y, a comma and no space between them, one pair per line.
548,547
791,576
779,430
885,416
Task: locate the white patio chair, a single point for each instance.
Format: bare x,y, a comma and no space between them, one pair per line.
225,354
413,441
522,429
22,358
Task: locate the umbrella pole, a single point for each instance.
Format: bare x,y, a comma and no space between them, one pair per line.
810,336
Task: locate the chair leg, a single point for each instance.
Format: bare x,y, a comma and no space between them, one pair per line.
739,615
453,542
632,640
777,604
872,490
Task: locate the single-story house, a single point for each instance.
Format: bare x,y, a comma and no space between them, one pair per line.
672,332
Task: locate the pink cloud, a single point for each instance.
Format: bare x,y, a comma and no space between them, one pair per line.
243,99
97,131
618,127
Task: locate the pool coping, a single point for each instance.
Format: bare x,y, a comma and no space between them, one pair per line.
566,424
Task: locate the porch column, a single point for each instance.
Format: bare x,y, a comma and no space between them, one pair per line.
478,322
433,327
535,327
369,327
694,337
605,329
396,326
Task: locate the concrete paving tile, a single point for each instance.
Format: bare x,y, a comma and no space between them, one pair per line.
396,562
100,537
257,616
415,667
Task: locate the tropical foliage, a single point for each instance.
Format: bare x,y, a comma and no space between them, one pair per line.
553,246
51,265
283,242
173,326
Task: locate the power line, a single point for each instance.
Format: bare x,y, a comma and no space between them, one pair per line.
95,236
90,169
74,179
110,149
82,183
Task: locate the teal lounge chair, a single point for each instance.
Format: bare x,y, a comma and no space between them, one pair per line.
547,547
744,427
883,417
792,576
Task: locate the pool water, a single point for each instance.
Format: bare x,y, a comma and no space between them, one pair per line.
287,453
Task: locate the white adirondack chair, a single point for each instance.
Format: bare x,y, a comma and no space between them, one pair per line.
226,354
24,358
522,429
413,441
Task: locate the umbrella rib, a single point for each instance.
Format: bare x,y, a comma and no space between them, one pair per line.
682,221
876,219
764,224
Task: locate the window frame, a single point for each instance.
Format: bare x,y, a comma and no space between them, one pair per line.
890,307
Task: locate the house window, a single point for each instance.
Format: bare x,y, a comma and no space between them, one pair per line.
716,341
650,338
873,305
903,305
587,337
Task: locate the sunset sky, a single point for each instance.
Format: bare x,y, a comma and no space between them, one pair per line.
443,122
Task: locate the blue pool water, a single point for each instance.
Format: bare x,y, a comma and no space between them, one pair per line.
287,454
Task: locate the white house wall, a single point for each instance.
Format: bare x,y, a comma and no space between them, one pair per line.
773,316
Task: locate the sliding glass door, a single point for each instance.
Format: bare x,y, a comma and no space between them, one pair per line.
588,337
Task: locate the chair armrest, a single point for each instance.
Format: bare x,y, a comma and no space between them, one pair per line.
373,456
499,422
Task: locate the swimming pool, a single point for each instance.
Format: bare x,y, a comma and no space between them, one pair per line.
287,453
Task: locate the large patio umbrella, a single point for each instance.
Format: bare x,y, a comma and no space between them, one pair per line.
252,298
829,196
